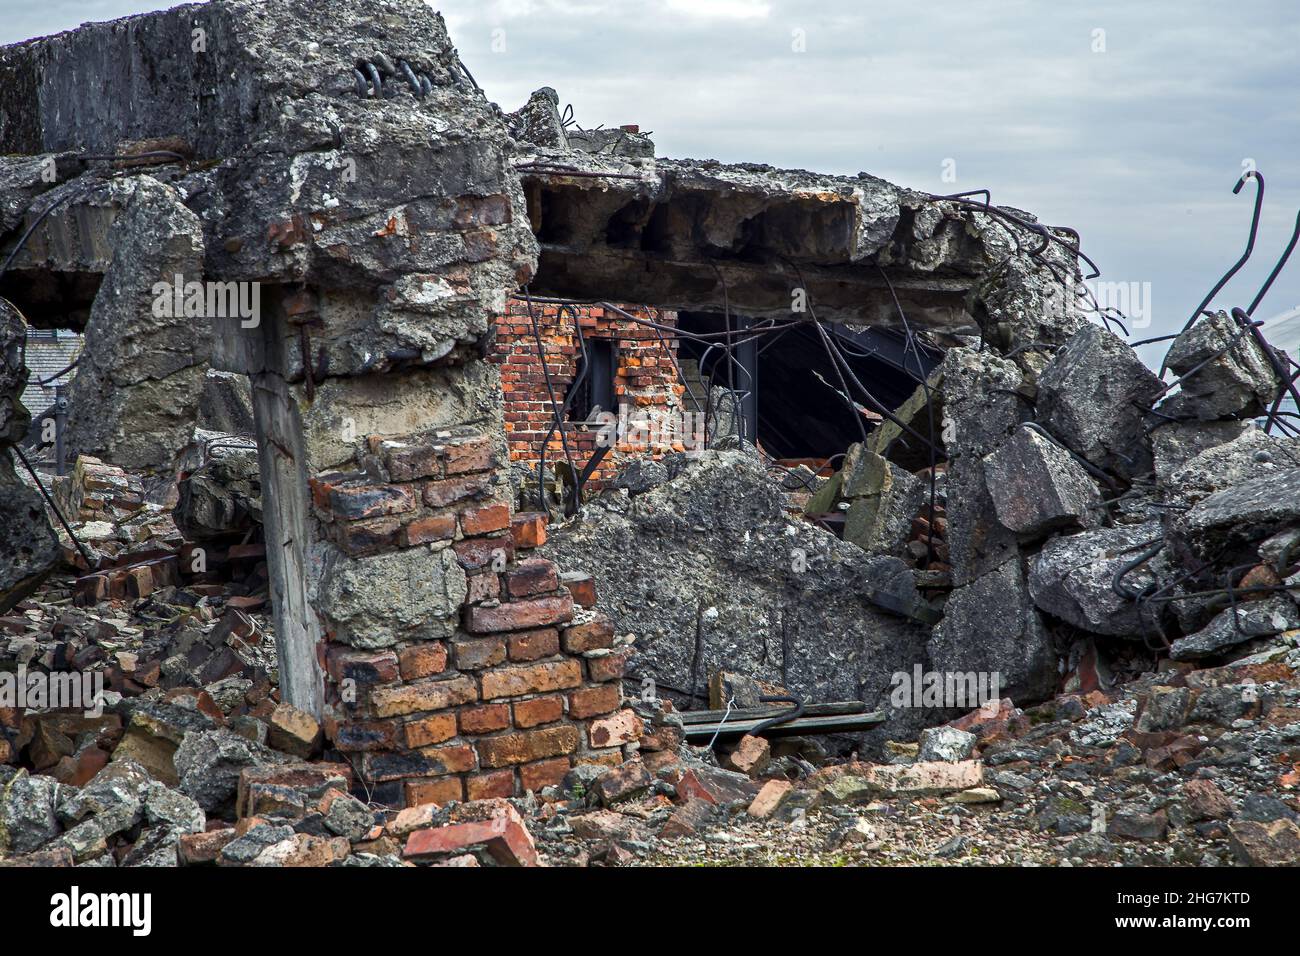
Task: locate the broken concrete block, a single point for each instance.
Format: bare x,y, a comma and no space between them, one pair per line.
945,743
209,765
1073,578
991,627
1241,514
407,595
1248,621
924,779
883,499
223,496
1093,397
1251,455
1038,487
1235,381
537,122
981,405
27,820
29,549
134,399
712,553
1174,444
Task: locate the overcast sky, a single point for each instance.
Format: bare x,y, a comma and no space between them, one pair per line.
1129,121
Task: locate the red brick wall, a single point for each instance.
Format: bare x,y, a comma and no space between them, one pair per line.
527,686
645,380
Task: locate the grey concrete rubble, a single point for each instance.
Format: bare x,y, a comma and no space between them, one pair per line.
1029,613
1223,372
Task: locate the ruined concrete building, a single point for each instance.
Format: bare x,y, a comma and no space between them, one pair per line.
920,455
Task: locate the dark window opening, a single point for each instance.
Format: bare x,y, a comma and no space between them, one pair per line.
594,390
787,387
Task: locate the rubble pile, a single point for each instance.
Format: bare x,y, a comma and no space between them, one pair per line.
1052,596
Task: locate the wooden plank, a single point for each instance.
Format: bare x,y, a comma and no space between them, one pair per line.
842,723
772,710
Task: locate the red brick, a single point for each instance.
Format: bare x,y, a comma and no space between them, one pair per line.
519,615
539,710
532,645
544,773
439,494
482,587
527,746
484,719
363,667
520,679
474,454
608,667
363,537
504,835
422,660
428,695
493,783
592,701
476,553
614,731
430,528
770,798
371,501
430,730
454,758
480,652
592,636
441,791
408,462
582,586
484,520
528,528
195,848
529,577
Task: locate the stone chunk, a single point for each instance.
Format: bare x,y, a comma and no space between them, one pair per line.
1234,378
1038,487
1249,620
1265,844
1093,395
1072,577
946,744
